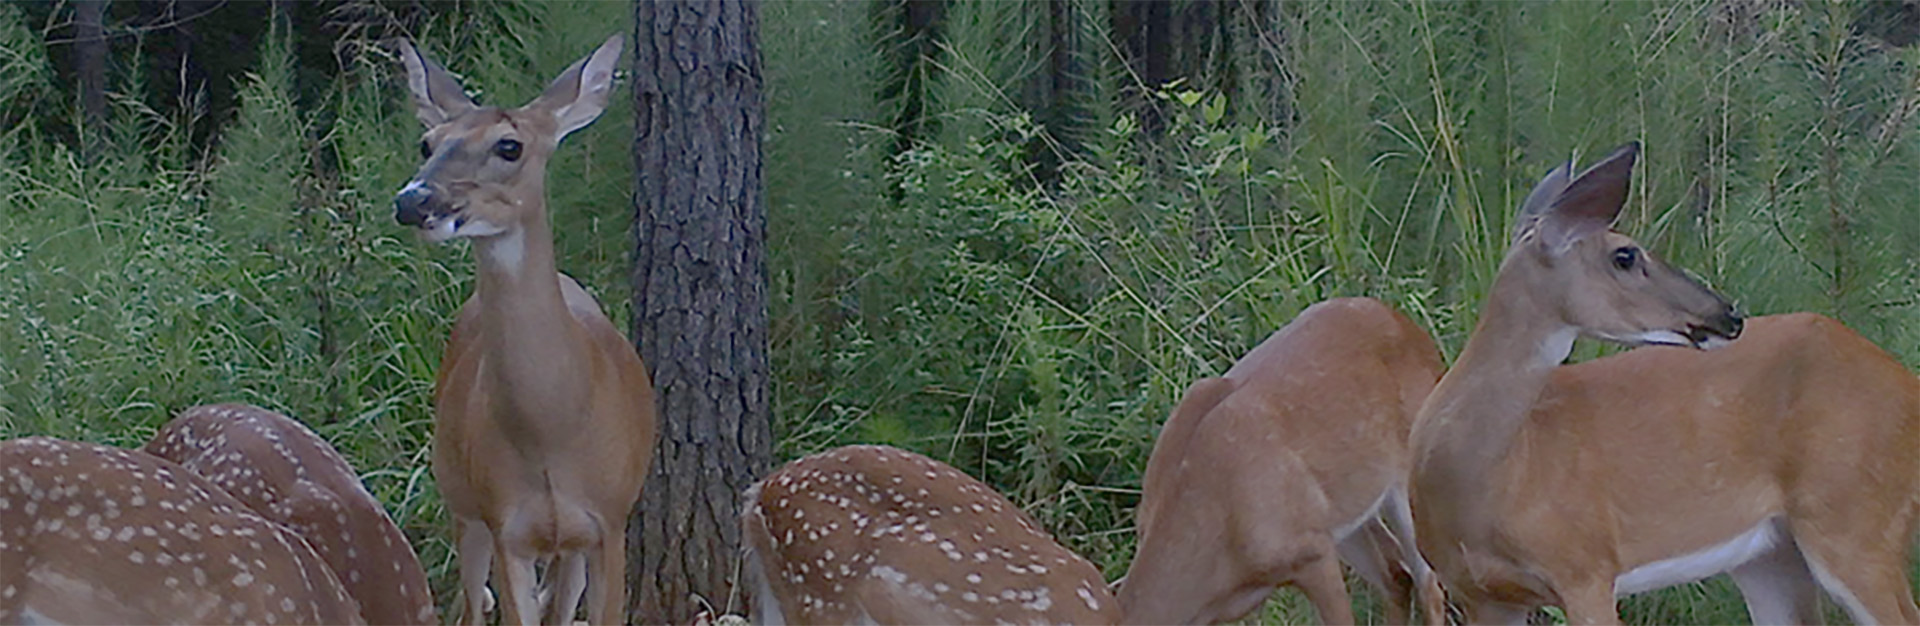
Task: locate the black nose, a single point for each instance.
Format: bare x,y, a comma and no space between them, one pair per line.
409,206
1734,325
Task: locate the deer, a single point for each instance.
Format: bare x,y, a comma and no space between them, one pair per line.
91,534
879,535
285,473
543,412
1784,458
1276,472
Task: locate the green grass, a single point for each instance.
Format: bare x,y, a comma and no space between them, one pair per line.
1031,333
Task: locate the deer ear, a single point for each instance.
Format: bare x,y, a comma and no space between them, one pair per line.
1590,203
578,96
437,97
1541,197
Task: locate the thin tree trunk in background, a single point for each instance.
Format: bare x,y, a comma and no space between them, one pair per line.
1141,27
1057,94
699,298
907,34
90,51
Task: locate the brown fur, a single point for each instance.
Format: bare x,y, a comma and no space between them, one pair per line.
1538,484
287,474
879,534
97,535
1256,471
544,414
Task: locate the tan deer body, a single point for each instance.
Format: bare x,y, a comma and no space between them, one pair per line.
544,415
879,535
97,535
1785,459
1797,444
289,475
1276,472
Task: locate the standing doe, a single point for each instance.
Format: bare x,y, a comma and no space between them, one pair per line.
543,412
1786,460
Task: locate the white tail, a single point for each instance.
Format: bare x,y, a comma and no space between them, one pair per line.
544,416
872,534
289,475
1785,459
97,535
1275,473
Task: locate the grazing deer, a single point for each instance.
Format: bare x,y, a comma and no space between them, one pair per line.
1276,472
879,535
289,475
544,416
97,535
1786,459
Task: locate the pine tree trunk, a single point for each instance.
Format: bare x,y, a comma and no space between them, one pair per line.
699,297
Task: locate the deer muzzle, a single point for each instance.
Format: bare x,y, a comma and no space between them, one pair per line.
412,205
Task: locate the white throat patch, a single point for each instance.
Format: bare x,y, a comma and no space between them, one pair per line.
506,252
1553,350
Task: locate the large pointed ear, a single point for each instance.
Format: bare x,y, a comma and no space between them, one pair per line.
1542,196
1591,202
580,93
436,96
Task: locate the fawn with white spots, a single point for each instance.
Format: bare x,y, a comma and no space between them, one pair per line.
1276,472
289,475
96,535
543,413
873,534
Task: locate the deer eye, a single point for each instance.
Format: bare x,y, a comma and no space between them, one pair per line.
1624,258
507,149
426,150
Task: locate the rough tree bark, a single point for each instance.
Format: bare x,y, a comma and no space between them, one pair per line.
699,297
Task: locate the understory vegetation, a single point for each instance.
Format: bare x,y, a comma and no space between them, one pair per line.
1020,289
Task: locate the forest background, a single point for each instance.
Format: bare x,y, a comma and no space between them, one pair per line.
1005,234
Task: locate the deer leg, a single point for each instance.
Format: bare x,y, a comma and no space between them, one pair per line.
519,600
1873,589
1326,589
569,574
1497,613
1779,587
1426,583
476,557
1366,552
609,578
1590,603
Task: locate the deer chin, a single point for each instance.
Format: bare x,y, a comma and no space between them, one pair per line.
441,228
1656,337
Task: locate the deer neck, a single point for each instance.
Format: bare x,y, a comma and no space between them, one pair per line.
535,354
1479,409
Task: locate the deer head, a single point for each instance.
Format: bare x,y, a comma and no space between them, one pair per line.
484,168
1601,282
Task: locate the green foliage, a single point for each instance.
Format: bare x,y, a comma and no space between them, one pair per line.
1022,289
272,273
